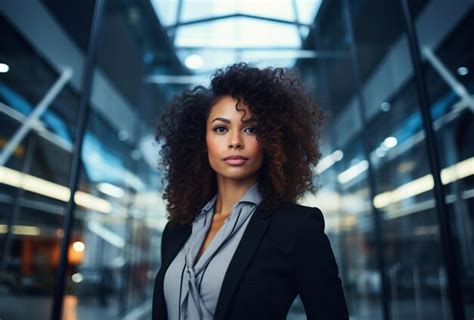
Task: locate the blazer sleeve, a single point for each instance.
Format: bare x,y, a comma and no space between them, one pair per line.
158,293
316,271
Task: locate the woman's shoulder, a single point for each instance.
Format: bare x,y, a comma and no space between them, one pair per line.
296,213
290,220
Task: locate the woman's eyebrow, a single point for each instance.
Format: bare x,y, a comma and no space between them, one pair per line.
221,119
228,121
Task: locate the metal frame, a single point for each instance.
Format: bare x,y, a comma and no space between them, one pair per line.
448,77
235,15
34,116
76,165
297,20
179,12
447,240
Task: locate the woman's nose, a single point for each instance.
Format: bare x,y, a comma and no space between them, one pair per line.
236,141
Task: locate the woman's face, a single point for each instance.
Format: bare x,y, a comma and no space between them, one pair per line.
232,146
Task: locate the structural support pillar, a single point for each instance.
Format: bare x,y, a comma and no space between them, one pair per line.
75,167
451,261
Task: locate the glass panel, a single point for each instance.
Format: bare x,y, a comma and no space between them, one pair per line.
114,253
238,32
404,195
414,266
33,181
343,176
280,9
449,64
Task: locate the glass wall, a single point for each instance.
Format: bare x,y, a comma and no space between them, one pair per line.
380,128
450,83
33,176
113,252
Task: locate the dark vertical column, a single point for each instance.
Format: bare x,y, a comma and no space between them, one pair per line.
447,241
76,165
379,246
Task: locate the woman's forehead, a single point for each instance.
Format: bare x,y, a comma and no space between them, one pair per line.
230,107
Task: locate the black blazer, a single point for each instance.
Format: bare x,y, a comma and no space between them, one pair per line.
282,253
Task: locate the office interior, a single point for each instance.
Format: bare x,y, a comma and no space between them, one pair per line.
395,80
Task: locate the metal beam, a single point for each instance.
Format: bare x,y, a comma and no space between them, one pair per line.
297,20
76,164
232,16
448,242
179,11
34,116
448,77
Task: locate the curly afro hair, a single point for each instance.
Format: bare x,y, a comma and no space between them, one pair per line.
288,130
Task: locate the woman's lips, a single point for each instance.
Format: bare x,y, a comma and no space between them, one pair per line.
235,160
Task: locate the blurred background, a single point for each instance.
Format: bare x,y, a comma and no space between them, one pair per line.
403,238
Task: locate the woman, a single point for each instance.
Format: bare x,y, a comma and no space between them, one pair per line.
238,155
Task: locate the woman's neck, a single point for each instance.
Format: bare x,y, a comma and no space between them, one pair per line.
229,192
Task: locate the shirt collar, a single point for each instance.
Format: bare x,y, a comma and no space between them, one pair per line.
251,196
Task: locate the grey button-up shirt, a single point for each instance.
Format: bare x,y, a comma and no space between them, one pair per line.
191,291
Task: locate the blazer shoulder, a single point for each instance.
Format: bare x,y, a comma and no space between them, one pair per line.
287,220
296,213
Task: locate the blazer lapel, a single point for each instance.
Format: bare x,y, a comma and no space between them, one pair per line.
251,238
176,241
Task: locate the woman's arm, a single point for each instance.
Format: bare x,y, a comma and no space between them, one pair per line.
316,271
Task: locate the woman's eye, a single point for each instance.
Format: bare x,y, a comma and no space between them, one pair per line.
220,129
251,130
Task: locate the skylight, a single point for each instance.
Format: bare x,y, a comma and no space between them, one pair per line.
221,32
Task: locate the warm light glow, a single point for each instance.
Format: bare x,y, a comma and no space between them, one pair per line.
458,171
111,190
45,187
450,174
52,190
194,61
4,68
78,246
21,230
89,201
